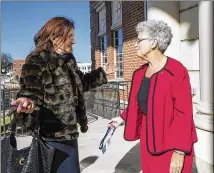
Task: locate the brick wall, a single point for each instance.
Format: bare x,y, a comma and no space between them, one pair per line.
95,47
132,13
17,66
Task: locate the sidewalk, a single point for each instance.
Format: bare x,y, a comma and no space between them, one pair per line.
121,156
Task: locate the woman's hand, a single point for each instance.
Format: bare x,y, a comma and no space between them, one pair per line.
24,105
84,129
115,122
109,70
177,162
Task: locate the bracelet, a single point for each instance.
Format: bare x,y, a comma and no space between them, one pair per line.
180,152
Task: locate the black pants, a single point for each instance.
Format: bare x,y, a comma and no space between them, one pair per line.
66,157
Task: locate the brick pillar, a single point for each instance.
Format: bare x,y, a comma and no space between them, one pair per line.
132,14
95,47
110,38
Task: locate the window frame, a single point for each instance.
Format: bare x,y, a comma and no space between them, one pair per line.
101,51
116,64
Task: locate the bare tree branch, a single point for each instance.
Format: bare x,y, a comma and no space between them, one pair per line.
6,63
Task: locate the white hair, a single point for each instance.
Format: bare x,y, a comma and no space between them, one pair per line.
157,30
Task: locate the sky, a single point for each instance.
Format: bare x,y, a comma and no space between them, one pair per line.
22,20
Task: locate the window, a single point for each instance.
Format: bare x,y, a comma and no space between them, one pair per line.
118,46
103,51
20,65
116,14
102,21
14,70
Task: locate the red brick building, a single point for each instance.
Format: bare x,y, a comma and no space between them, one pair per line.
17,66
113,35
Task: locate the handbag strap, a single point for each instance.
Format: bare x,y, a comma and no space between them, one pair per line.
12,127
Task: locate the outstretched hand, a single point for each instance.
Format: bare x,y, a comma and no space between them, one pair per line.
115,122
24,105
109,70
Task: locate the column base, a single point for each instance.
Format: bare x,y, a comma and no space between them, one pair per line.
203,107
200,166
204,148
203,118
203,121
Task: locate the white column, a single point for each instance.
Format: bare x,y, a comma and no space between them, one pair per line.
205,105
169,13
204,117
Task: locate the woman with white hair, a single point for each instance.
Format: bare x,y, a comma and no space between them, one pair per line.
159,111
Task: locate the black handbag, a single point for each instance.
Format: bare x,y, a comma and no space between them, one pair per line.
37,158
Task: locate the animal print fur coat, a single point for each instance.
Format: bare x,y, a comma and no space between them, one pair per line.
56,85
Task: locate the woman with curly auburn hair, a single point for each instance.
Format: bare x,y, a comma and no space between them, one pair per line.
51,81
159,111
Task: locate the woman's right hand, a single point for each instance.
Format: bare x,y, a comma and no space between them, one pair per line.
115,122
24,105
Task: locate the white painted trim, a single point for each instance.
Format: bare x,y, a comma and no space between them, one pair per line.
145,10
116,26
102,13
100,40
102,33
119,23
115,73
100,6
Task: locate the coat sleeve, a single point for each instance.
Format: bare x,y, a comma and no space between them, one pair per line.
89,81
31,85
93,79
124,114
31,80
182,125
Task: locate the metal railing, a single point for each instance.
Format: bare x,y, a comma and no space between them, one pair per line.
7,95
106,101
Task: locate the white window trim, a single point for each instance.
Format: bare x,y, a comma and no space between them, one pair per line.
119,23
100,8
145,10
101,50
115,63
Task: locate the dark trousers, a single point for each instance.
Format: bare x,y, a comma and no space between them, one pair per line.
66,157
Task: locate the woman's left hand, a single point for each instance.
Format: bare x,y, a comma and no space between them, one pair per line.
177,162
109,70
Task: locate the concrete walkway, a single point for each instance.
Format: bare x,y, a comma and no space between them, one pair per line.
121,156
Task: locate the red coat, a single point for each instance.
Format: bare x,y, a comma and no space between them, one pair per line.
170,116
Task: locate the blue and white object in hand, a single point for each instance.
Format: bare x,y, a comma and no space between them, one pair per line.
106,141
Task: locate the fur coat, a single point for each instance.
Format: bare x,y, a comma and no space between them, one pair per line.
56,85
